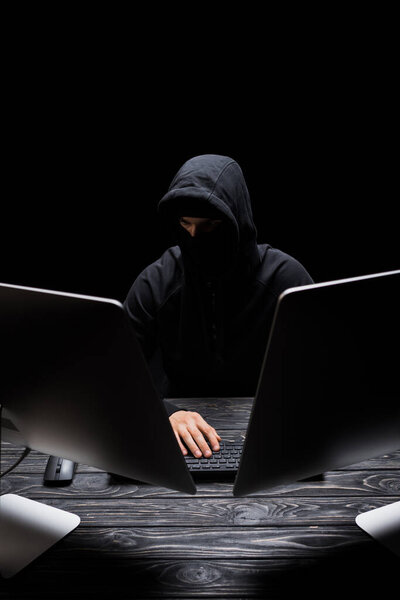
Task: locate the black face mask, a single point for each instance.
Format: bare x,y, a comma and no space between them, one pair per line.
210,254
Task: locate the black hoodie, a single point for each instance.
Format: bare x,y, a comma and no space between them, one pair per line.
203,311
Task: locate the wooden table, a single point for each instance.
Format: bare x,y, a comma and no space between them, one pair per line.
141,541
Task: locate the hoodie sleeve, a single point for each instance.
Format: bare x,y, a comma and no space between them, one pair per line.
141,307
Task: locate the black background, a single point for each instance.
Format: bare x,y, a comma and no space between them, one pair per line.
95,132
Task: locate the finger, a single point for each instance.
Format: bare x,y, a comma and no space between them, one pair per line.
200,441
181,446
176,432
190,443
210,432
213,438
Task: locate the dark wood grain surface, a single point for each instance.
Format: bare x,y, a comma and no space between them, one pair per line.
136,540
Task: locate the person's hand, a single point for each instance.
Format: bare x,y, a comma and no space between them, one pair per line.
190,427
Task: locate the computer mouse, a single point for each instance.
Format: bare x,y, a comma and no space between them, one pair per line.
59,471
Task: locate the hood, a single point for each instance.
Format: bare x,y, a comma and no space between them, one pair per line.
212,185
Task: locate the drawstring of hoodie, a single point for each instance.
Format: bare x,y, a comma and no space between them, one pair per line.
215,295
202,305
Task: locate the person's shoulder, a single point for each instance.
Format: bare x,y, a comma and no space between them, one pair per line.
169,263
281,269
160,278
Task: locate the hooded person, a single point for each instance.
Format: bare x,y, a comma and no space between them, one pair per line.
203,311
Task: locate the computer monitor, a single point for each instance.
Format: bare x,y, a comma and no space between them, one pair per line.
329,390
74,383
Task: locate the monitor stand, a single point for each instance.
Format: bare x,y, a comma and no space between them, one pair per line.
27,529
383,524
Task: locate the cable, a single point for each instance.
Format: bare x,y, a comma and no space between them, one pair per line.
20,459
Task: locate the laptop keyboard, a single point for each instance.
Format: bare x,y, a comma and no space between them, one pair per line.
225,461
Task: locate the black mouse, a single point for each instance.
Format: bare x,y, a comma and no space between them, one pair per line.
59,471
